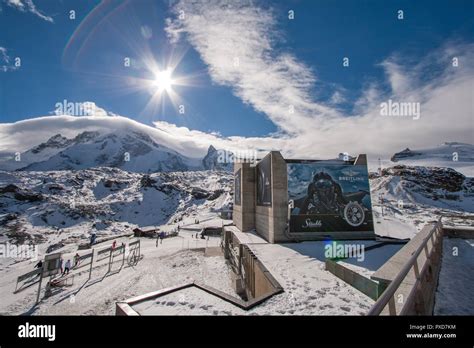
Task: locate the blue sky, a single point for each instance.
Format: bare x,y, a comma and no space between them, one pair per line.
64,59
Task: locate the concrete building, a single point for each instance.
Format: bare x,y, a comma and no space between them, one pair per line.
262,201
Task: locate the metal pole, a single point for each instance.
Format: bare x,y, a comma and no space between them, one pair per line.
123,256
39,285
110,260
90,269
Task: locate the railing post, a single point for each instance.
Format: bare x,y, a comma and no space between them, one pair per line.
392,310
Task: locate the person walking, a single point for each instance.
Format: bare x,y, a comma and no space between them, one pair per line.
39,264
76,259
93,238
67,267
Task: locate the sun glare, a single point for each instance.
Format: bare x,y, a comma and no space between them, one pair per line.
163,80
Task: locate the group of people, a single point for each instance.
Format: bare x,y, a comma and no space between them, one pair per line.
67,265
64,267
114,246
203,236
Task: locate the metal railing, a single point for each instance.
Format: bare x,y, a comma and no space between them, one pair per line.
387,298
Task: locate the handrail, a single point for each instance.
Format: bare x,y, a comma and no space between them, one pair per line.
389,292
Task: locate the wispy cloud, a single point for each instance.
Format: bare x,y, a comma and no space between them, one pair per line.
28,6
237,42
244,51
6,61
240,43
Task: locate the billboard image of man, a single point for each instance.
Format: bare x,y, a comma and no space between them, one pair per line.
329,197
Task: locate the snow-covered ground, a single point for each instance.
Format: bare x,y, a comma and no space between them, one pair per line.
455,293
169,264
57,211
188,301
308,289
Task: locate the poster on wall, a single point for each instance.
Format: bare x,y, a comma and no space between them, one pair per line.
264,182
329,196
237,186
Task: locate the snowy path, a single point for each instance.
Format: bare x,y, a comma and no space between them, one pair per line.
158,269
309,288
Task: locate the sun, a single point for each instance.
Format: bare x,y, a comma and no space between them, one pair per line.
163,80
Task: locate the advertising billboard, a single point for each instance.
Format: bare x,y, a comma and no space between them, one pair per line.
329,196
264,182
237,187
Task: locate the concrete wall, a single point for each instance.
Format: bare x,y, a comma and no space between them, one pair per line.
271,222
258,281
244,214
262,284
358,281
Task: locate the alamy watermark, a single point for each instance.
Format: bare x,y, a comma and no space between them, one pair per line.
400,109
335,250
74,108
37,331
23,251
240,156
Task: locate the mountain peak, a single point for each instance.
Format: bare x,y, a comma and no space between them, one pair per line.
56,142
213,160
85,136
211,149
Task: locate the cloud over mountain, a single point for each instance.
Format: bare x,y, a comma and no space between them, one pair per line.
239,43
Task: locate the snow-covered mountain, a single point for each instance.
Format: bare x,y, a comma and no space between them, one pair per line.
64,206
411,186
217,160
131,151
98,142
459,156
405,198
